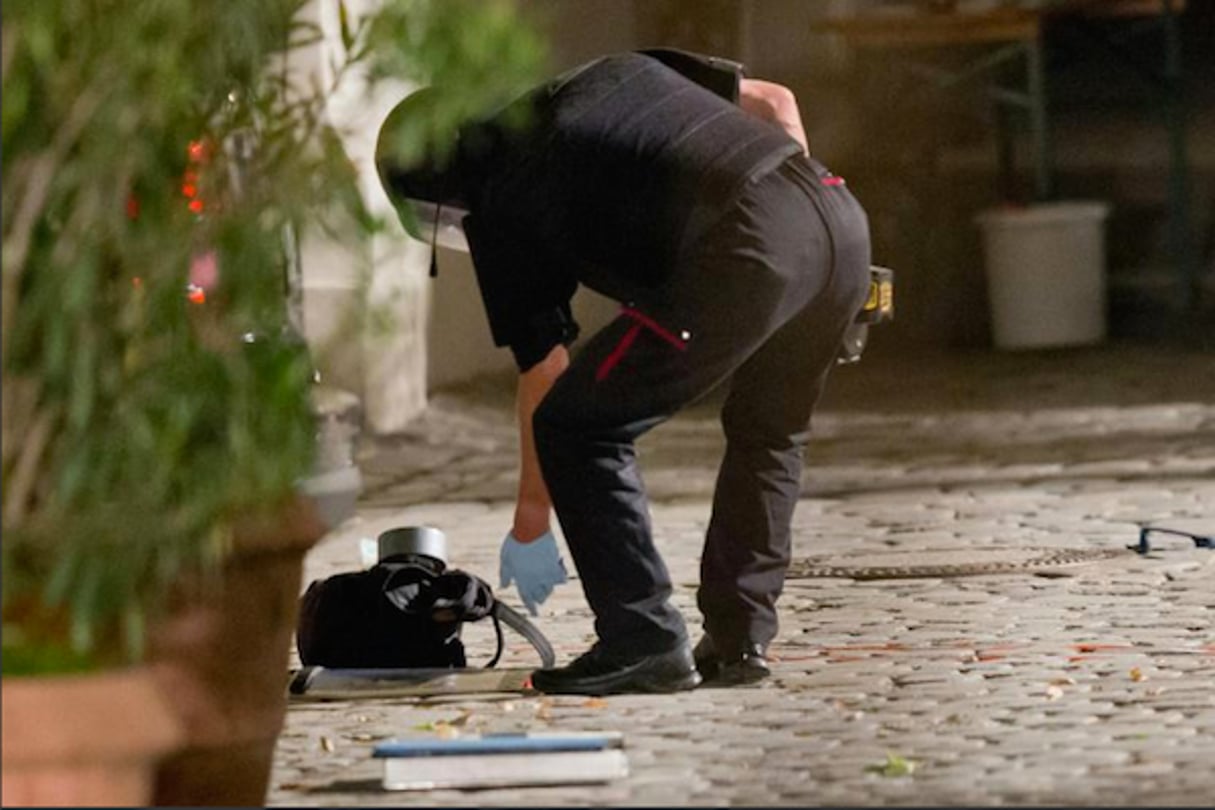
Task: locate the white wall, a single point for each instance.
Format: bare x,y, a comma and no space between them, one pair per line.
460,343
386,368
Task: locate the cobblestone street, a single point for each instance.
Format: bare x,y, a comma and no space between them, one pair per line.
1086,683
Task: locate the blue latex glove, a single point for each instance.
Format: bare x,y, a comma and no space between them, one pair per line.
535,567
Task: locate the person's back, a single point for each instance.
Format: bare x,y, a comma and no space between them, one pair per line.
625,163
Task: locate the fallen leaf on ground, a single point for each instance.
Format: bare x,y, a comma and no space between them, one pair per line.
441,728
1098,647
595,703
894,766
327,745
1063,682
1137,675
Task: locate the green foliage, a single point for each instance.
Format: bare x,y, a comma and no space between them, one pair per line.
137,425
479,68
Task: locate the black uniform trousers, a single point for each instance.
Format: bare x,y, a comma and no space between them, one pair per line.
761,304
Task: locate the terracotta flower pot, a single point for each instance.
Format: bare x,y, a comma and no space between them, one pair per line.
221,657
84,740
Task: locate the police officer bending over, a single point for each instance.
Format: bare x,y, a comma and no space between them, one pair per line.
686,192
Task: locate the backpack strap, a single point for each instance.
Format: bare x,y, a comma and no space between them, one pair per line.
518,622
468,597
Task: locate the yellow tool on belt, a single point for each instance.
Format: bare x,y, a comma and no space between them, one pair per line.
878,308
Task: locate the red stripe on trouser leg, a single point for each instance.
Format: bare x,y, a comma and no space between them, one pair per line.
654,327
609,362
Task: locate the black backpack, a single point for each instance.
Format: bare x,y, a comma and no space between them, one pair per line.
405,612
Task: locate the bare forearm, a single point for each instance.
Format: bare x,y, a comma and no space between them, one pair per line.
533,505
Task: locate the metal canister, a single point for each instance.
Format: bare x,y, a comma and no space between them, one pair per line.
425,541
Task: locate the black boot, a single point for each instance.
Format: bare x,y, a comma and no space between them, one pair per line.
598,672
743,663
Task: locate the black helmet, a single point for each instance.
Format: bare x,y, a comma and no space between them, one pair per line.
430,174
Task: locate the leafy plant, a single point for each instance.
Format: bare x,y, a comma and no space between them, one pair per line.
149,146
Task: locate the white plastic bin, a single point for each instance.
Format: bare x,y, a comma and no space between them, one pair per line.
1046,273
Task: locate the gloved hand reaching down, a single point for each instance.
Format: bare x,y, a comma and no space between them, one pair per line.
534,566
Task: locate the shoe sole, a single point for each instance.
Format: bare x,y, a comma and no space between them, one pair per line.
737,676
639,686
687,683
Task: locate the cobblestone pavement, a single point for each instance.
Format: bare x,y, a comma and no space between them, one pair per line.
1090,684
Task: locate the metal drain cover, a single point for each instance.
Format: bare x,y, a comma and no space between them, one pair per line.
966,562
